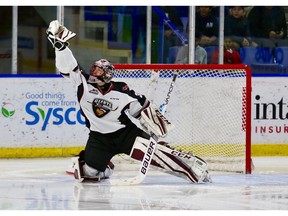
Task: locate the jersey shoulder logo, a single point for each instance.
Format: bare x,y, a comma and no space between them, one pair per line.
94,91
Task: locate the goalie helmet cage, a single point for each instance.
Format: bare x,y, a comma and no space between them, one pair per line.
210,107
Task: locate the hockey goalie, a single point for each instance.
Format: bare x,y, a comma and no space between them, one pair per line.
105,104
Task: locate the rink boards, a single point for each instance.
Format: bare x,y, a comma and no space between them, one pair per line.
29,103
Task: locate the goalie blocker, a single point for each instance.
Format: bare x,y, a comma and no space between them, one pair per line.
168,160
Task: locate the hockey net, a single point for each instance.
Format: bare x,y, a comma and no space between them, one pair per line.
210,107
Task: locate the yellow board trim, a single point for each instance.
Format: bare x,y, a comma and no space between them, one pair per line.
39,152
269,150
32,152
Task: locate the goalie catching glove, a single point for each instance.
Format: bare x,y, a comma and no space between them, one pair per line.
153,121
59,35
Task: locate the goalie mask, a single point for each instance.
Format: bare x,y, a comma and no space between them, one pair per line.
101,71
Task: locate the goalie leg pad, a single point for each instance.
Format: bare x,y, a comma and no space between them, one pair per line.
189,167
85,173
74,160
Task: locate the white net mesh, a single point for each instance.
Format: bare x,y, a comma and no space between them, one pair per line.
207,107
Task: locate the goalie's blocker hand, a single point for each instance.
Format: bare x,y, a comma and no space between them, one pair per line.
153,121
58,35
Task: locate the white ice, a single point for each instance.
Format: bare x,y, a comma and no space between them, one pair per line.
42,184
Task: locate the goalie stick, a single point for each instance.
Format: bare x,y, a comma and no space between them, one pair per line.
144,165
150,148
163,106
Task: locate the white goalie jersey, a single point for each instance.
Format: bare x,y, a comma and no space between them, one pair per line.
103,108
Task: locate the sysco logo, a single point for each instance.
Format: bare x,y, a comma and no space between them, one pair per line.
55,116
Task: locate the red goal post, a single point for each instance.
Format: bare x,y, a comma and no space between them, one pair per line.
210,107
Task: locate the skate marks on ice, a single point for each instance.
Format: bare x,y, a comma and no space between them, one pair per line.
227,192
43,185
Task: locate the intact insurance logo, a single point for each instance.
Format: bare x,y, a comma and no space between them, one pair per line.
7,109
48,109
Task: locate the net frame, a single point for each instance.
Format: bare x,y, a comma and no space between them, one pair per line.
155,67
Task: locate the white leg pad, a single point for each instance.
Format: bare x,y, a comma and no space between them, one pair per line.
71,166
84,172
189,167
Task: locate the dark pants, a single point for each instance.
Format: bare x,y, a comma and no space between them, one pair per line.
100,148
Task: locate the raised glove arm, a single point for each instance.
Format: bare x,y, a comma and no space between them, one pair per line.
58,35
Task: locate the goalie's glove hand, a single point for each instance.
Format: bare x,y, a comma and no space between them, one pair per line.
153,121
58,35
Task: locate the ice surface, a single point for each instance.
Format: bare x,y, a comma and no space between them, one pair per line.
42,184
